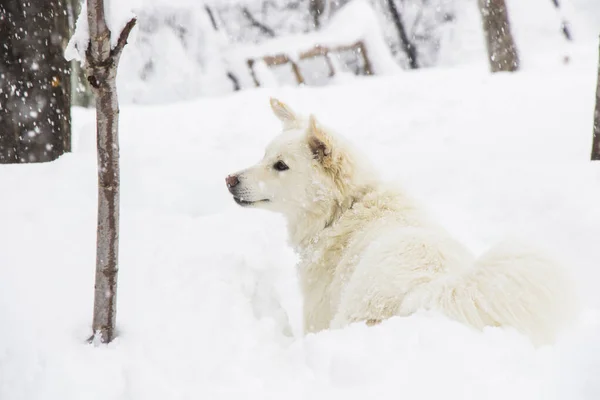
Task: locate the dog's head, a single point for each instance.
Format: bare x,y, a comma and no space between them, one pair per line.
303,170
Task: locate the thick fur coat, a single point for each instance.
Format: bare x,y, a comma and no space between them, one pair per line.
368,252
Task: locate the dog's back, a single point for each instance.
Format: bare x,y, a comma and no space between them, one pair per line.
386,259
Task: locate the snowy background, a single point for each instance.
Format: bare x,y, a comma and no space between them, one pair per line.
177,54
207,291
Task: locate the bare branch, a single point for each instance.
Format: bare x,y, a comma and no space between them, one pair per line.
213,21
256,23
116,52
409,48
564,25
416,22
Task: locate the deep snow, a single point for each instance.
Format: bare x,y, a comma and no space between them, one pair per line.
205,286
207,291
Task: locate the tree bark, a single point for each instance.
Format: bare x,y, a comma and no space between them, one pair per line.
35,109
409,48
102,63
501,48
596,139
316,8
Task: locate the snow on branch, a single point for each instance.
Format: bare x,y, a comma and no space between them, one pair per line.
119,16
122,41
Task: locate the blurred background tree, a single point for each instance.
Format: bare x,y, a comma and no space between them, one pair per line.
35,81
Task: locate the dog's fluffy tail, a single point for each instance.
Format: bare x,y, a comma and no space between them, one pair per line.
514,286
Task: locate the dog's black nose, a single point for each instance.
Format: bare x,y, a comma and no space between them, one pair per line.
232,181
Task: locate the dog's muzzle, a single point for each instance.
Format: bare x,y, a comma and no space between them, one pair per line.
233,182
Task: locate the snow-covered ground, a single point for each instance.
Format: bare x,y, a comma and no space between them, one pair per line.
207,291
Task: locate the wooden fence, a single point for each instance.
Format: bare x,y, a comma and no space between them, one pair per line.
317,51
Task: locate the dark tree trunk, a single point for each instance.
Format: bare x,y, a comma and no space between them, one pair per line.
501,48
102,63
35,82
596,139
409,48
316,9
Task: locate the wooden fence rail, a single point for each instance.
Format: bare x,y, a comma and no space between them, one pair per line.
317,51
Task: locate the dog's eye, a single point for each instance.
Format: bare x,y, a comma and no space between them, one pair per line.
280,166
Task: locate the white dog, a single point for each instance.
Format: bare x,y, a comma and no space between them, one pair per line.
369,253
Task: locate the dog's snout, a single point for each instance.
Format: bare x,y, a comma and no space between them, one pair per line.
232,181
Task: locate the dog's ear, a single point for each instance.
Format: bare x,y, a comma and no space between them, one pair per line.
283,111
318,140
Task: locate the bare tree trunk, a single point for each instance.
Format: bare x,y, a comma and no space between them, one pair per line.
316,8
102,63
35,109
596,140
409,48
501,48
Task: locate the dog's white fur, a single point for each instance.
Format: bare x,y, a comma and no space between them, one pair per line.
368,252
